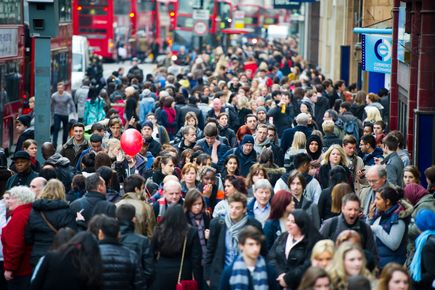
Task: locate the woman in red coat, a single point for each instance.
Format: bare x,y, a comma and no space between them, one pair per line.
17,269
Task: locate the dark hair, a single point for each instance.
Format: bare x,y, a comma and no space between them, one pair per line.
296,174
110,227
106,173
369,139
192,196
279,203
79,183
163,159
250,232
337,175
232,156
78,124
250,116
93,181
350,197
238,182
400,138
89,161
311,276
359,282
48,173
305,224
393,194
301,159
62,236
346,106
391,142
169,234
238,197
266,157
102,159
95,224
210,130
132,182
125,212
84,253
382,124
430,173
97,126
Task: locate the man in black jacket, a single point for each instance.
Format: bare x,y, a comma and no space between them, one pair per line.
222,247
93,202
25,130
126,214
191,107
121,266
24,174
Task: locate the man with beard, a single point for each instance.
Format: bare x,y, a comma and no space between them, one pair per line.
261,142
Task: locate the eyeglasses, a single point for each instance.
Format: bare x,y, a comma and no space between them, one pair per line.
370,181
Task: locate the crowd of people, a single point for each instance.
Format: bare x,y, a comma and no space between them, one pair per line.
256,172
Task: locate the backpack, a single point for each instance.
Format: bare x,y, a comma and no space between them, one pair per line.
351,128
333,228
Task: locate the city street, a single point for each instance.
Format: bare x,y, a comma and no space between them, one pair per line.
110,67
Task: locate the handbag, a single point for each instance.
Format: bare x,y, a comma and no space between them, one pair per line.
185,284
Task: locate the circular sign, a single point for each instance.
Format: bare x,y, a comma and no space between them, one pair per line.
200,28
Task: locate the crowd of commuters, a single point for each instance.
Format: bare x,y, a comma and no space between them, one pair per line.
256,172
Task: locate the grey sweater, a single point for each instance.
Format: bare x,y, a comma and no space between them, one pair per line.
62,104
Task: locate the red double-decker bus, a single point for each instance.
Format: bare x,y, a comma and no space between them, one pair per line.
17,56
12,68
181,13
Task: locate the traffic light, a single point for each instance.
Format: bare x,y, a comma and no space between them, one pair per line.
172,15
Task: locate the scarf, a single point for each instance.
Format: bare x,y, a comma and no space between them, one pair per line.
415,267
162,208
171,114
198,223
240,275
414,192
234,229
314,155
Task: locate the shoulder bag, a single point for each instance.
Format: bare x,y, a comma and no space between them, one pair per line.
185,284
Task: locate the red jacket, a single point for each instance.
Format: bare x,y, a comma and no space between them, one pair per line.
15,251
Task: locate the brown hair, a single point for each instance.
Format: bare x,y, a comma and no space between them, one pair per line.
338,192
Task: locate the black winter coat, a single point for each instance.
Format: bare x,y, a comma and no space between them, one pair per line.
323,176
58,271
167,265
121,267
38,233
92,203
295,265
140,245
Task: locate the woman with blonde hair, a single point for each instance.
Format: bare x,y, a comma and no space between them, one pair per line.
348,261
373,114
322,253
334,156
298,146
50,212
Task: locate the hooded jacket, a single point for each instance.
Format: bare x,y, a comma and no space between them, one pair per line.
38,233
69,152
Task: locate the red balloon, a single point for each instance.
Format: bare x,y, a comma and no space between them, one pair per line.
131,142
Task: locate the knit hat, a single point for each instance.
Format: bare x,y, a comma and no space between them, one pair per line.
261,109
25,120
247,139
425,220
148,124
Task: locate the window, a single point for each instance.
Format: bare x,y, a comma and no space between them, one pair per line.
10,78
10,12
59,69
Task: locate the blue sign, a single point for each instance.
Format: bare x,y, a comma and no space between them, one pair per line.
376,53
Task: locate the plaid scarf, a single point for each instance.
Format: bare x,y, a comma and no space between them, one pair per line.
198,223
241,275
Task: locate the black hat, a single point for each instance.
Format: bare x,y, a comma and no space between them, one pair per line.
25,120
21,155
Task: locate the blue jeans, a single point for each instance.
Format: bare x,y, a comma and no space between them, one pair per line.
57,120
